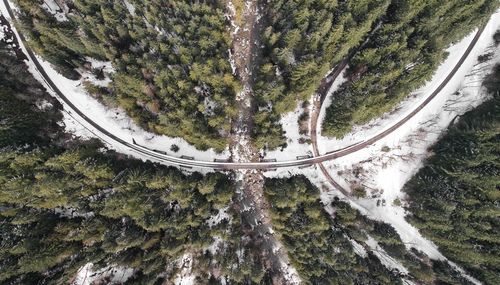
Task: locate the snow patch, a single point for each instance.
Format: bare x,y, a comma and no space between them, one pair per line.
185,277
209,106
232,62
112,275
3,29
43,105
217,219
105,67
130,7
72,213
57,11
358,248
297,144
214,247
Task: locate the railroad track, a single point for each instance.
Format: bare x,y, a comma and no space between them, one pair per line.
190,162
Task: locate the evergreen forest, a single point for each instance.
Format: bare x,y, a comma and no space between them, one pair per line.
66,202
163,82
400,56
453,200
69,203
172,59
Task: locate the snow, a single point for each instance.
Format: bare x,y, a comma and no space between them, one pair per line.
294,148
221,215
185,277
230,16
209,106
232,62
2,31
53,8
82,276
216,244
51,5
4,28
290,124
130,7
72,213
105,66
385,258
394,216
43,105
87,276
358,248
290,274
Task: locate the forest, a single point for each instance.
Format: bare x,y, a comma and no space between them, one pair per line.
172,73
420,268
320,253
453,199
310,235
65,202
399,57
172,70
302,41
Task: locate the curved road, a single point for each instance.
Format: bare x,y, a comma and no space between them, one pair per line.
363,144
240,165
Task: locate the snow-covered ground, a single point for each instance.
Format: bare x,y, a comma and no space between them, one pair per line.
294,146
386,260
358,248
385,166
2,31
105,66
221,215
185,277
114,120
130,7
53,8
112,274
295,141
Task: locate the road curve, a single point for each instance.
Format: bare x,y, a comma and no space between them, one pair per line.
235,165
363,144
